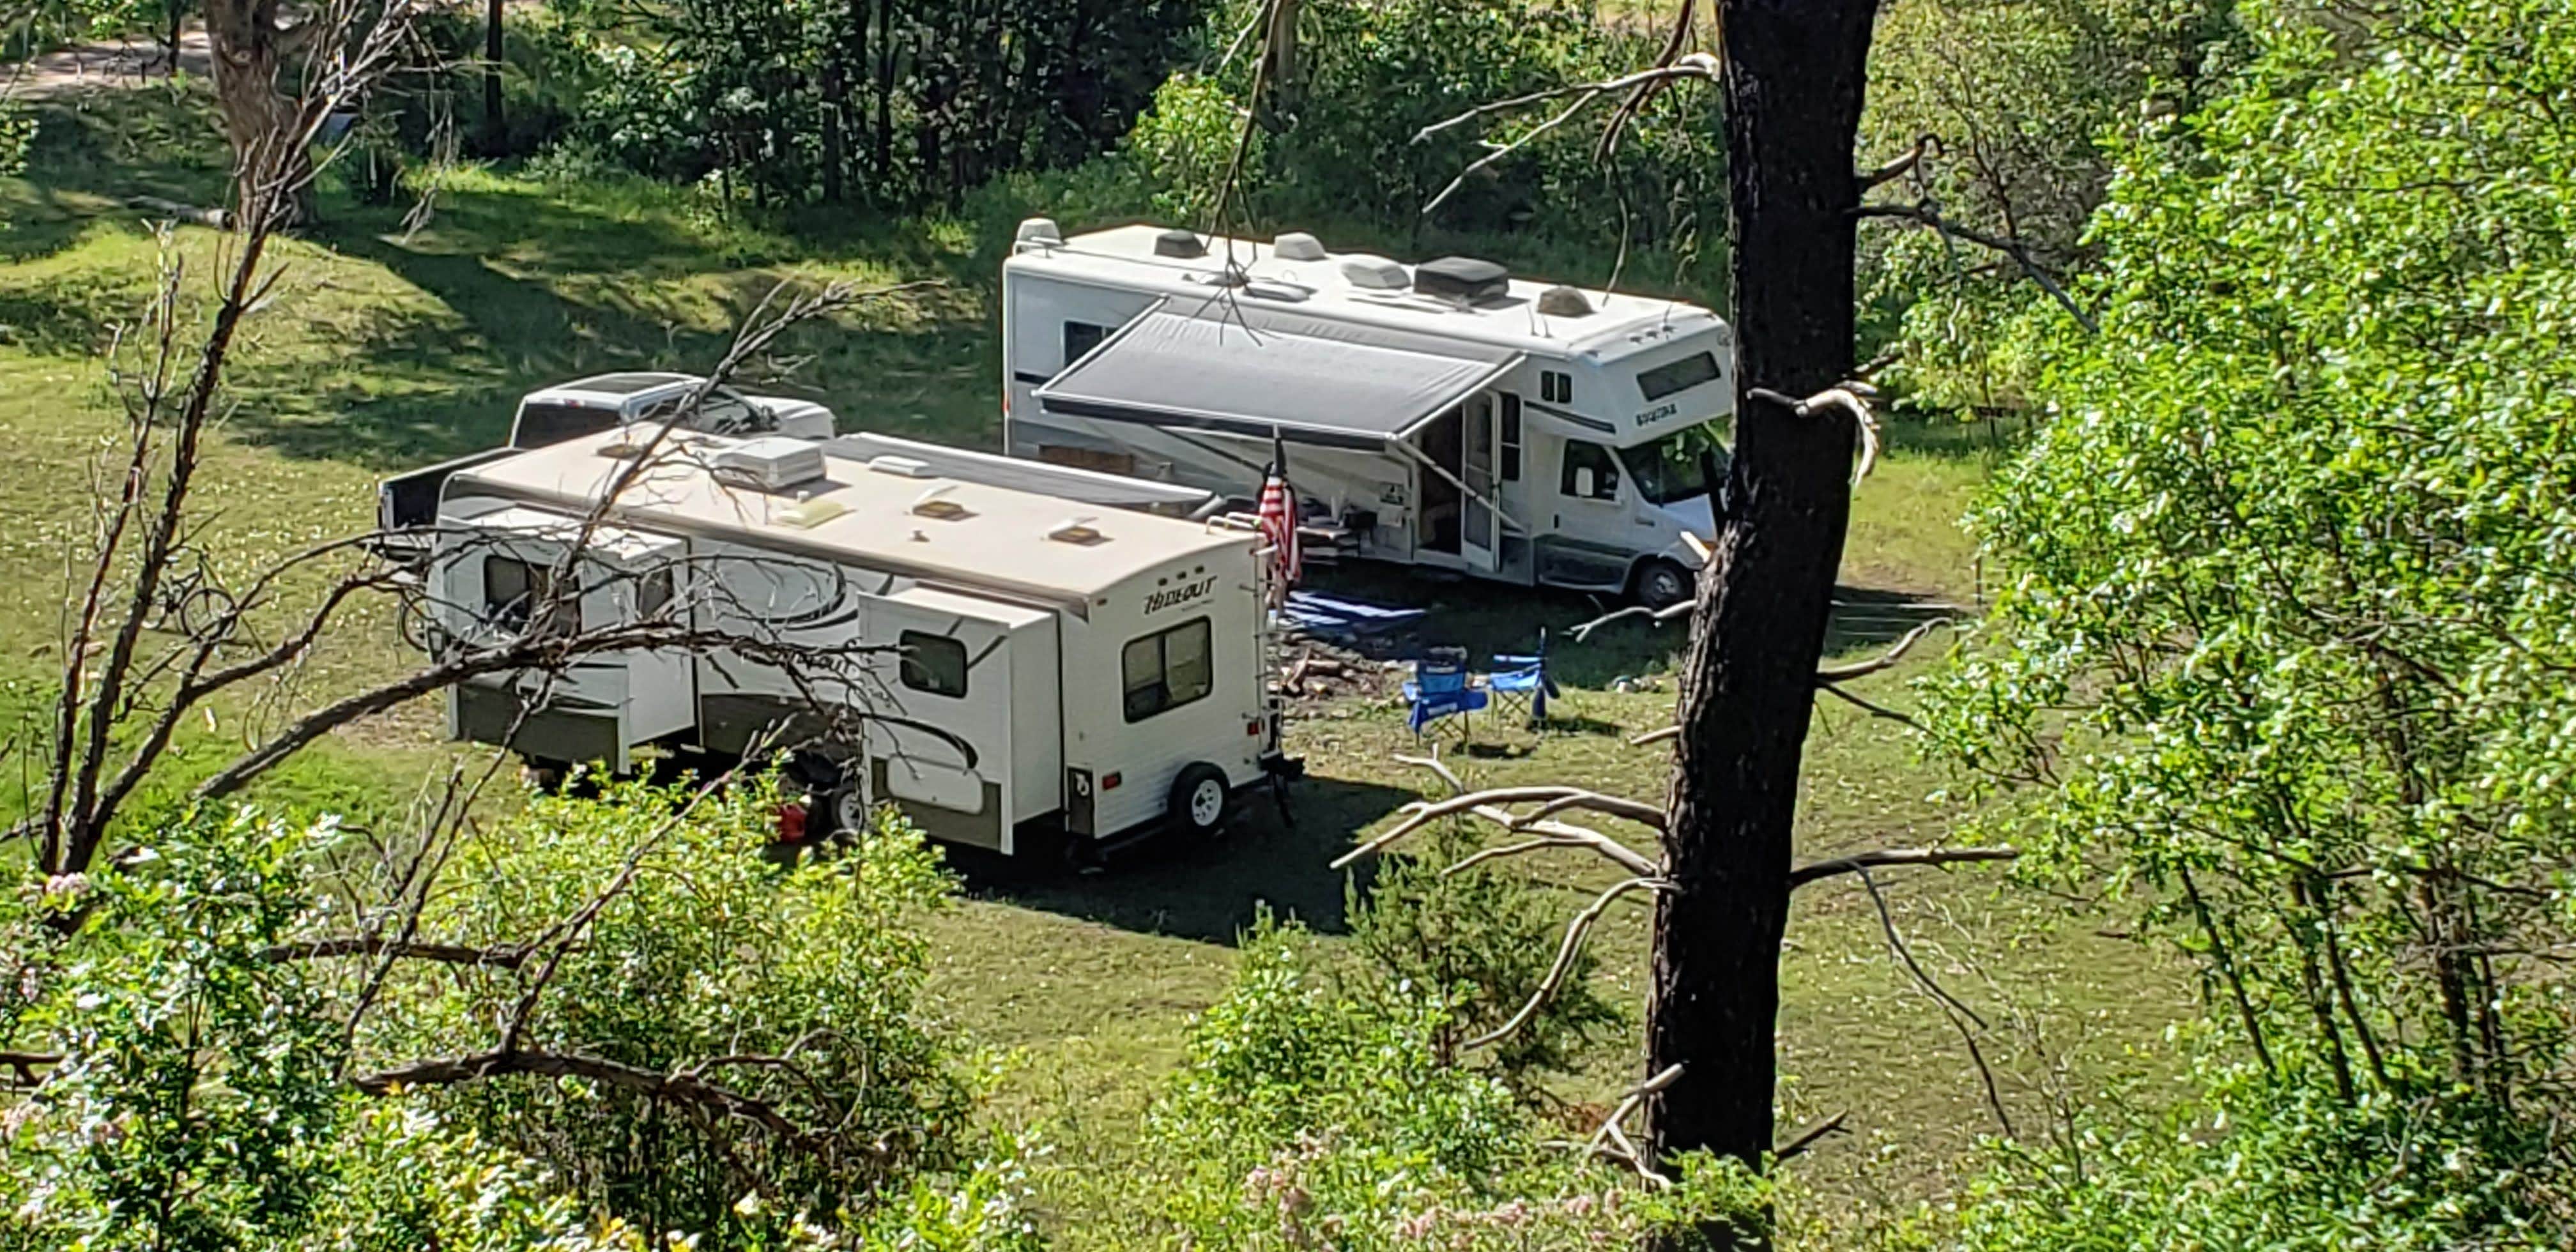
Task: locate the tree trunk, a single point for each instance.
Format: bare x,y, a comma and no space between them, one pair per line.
883,159
496,134
272,168
1793,77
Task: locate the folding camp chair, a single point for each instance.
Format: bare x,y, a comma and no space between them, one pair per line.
1440,689
1522,682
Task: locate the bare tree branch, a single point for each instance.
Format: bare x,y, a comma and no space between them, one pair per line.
1870,707
1423,813
1583,630
1886,857
1830,1126
2013,248
1883,661
1903,163
1960,1015
1565,953
679,1087
398,949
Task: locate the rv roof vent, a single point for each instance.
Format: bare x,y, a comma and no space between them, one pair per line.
1564,302
1461,278
1297,245
1375,273
1273,289
1074,530
900,466
1180,243
770,463
934,503
1039,231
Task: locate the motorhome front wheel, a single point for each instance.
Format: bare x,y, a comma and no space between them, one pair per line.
1662,584
1198,799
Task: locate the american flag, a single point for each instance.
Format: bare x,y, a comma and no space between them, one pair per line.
1279,513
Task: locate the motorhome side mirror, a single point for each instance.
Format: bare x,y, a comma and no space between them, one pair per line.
1583,483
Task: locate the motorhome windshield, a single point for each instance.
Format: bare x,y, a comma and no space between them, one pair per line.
1665,471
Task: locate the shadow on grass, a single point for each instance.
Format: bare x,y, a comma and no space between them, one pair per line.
1213,891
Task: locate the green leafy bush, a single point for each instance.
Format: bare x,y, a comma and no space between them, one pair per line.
708,952
248,1040
1306,1115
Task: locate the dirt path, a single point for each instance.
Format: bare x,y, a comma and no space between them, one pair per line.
103,63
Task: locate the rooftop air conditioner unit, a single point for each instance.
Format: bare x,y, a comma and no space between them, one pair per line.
1375,273
769,463
1297,245
1461,278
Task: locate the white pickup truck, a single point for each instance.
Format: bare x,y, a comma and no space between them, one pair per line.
408,502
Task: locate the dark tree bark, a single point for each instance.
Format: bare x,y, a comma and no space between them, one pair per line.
496,135
1793,78
883,156
249,47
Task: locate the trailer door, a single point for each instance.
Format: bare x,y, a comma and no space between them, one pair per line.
939,726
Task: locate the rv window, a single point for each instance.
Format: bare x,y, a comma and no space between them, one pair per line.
932,663
1168,669
1555,387
652,594
1510,442
1080,338
543,424
1681,375
1580,455
512,589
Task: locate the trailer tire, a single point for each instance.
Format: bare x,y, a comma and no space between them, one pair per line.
1199,801
1660,584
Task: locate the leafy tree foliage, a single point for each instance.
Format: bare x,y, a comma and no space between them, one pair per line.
899,102
1372,75
2014,99
1311,1114
2284,645
216,1021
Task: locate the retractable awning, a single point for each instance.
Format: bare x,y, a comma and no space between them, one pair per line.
1309,380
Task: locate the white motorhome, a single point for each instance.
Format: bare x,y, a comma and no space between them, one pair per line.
1443,414
1046,662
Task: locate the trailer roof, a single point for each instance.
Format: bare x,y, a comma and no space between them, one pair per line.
1258,372
994,537
1123,257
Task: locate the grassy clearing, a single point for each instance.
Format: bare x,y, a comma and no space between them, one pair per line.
392,347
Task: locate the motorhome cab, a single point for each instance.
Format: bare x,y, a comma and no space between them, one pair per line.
1022,659
1442,414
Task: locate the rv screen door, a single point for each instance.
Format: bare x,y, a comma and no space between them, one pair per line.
1477,536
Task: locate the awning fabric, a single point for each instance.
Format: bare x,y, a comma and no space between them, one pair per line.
1309,380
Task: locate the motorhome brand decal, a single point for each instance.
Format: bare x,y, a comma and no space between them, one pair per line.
1656,414
1186,593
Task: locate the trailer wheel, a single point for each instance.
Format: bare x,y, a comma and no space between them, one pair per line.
1199,799
1660,584
846,808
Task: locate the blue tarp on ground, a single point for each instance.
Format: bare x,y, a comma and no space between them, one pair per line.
1342,619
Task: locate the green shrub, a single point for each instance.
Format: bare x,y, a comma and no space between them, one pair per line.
1308,1116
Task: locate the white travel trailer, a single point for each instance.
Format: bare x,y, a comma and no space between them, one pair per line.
1442,414
1046,662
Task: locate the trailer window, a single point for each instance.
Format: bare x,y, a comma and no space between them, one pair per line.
1681,375
1555,388
513,589
653,593
1168,669
1584,455
1080,338
933,663
1510,443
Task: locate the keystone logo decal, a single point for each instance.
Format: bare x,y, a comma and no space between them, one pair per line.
1652,416
1173,596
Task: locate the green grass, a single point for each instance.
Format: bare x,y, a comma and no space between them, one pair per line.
390,347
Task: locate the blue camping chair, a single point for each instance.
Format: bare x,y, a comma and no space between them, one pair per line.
1522,682
1440,688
